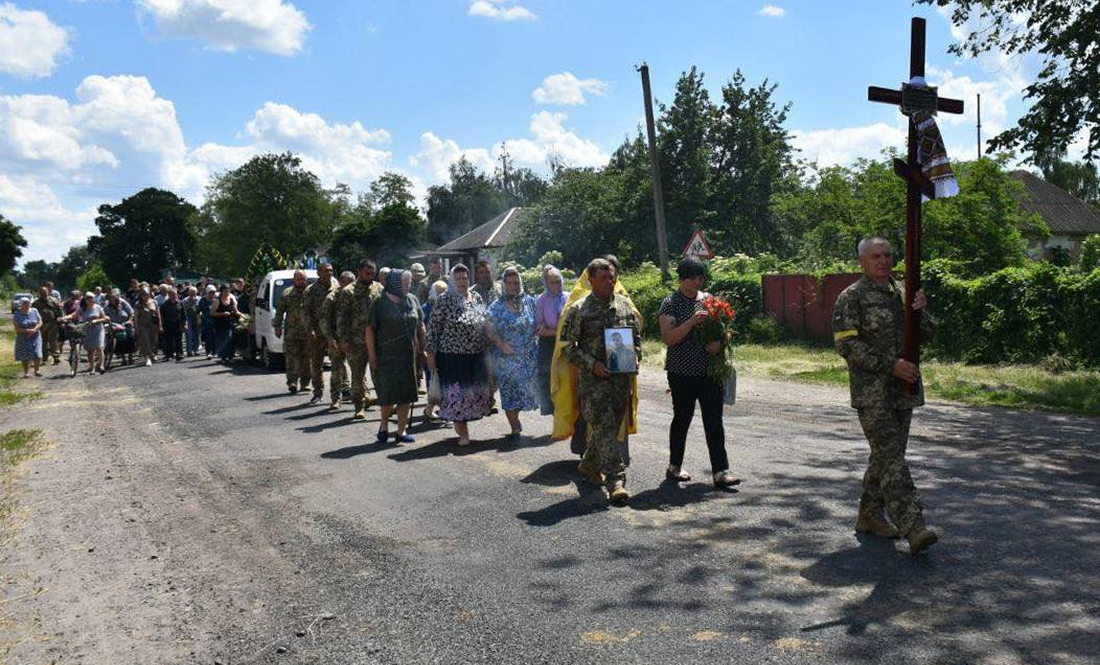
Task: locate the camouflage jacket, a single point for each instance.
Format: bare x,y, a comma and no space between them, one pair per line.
292,306
48,308
328,313
316,295
352,306
489,294
868,325
585,321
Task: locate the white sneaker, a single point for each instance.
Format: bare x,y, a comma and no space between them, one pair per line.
148,362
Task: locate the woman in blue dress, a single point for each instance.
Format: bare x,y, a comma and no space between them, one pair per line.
28,336
511,329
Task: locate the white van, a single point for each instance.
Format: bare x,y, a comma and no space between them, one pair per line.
268,295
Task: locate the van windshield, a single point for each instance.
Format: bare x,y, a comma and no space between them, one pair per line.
280,285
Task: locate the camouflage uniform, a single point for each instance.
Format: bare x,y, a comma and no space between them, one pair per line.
353,304
604,402
49,309
338,379
292,306
868,331
489,294
316,295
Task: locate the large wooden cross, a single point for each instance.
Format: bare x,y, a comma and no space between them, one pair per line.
914,98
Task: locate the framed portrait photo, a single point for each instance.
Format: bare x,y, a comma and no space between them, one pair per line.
619,343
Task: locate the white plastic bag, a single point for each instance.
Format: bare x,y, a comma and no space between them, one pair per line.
435,393
729,393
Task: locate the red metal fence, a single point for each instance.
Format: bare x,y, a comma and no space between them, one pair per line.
803,304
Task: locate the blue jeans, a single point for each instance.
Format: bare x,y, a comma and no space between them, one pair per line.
223,342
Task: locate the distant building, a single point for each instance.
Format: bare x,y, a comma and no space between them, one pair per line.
1070,219
484,242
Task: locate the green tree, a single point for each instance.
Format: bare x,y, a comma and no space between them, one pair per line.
386,233
390,189
144,235
519,187
95,275
1090,254
1078,178
270,199
36,273
1066,93
12,243
471,199
685,134
72,265
752,163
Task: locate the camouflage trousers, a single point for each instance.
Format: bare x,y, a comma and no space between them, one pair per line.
296,358
887,482
603,406
357,360
51,345
318,349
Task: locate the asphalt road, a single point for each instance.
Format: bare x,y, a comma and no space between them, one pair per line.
195,513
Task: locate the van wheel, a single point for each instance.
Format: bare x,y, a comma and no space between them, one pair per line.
265,356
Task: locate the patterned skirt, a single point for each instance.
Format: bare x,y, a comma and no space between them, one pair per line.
464,384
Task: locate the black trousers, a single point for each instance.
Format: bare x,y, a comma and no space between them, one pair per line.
172,340
686,391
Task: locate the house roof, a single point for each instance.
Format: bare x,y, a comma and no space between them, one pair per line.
494,233
1063,212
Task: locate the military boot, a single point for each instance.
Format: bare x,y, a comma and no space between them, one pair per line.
921,539
360,414
617,494
876,526
591,475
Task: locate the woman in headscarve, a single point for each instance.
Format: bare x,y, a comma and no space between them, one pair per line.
395,337
511,329
456,349
92,315
28,336
147,326
434,291
548,311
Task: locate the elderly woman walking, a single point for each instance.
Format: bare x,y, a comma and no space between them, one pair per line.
456,349
147,326
395,339
92,315
28,336
548,311
511,329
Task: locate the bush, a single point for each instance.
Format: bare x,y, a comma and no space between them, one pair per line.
94,276
1090,254
763,330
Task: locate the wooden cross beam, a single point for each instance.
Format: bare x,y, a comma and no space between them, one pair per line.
911,98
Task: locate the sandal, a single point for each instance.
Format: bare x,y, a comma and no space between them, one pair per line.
677,474
725,479
383,436
406,438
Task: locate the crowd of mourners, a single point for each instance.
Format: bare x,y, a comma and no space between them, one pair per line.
464,344
463,339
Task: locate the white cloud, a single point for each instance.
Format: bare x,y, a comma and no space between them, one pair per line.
496,10
772,11
30,43
566,89
436,156
49,227
273,26
830,147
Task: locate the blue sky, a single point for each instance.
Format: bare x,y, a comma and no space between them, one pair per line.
101,98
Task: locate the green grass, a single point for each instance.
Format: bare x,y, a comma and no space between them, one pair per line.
1023,387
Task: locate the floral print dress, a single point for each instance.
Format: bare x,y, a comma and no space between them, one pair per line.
516,373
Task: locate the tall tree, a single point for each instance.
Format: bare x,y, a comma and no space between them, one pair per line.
12,243
519,186
144,235
471,199
270,200
390,189
1066,94
684,144
1078,178
72,265
752,163
36,273
383,226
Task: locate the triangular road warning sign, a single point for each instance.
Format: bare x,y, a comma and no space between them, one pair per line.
698,247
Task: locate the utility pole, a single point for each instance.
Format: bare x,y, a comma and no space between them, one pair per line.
979,125
655,163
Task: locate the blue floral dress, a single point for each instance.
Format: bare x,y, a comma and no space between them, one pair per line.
28,348
516,373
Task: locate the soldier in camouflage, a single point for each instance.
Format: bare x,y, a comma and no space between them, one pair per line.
50,310
868,330
604,397
291,326
339,385
353,304
316,295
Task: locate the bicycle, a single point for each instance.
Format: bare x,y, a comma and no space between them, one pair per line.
119,339
74,333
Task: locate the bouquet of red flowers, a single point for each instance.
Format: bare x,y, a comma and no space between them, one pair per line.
718,327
